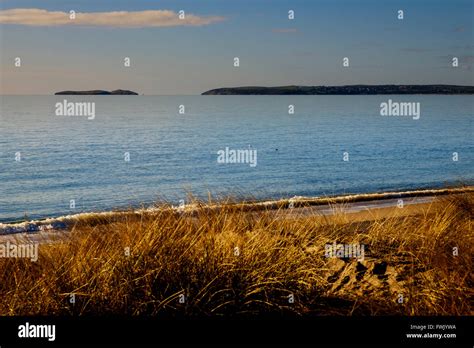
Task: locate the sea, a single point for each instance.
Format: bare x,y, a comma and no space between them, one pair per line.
138,150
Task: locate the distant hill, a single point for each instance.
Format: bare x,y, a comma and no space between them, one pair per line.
97,92
343,90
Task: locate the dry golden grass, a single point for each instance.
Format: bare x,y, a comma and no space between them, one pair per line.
194,254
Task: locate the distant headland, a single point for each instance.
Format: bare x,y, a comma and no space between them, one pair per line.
98,92
343,90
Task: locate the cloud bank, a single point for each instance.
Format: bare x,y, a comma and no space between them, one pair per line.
115,19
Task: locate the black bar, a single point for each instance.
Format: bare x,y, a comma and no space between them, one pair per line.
315,330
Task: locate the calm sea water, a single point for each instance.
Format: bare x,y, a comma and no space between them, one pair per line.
65,158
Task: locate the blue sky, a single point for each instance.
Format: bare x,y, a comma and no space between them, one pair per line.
272,49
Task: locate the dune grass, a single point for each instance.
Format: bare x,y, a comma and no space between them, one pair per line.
232,262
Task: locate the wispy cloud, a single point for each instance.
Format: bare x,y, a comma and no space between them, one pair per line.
417,49
462,47
391,29
284,30
460,29
117,19
367,45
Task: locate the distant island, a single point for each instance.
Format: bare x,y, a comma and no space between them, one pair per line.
343,90
98,92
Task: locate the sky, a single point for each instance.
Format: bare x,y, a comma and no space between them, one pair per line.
172,56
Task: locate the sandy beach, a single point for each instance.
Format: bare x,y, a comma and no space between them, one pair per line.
352,255
360,207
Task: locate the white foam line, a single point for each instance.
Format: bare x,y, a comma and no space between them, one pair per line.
64,222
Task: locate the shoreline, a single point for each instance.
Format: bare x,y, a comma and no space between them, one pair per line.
324,205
